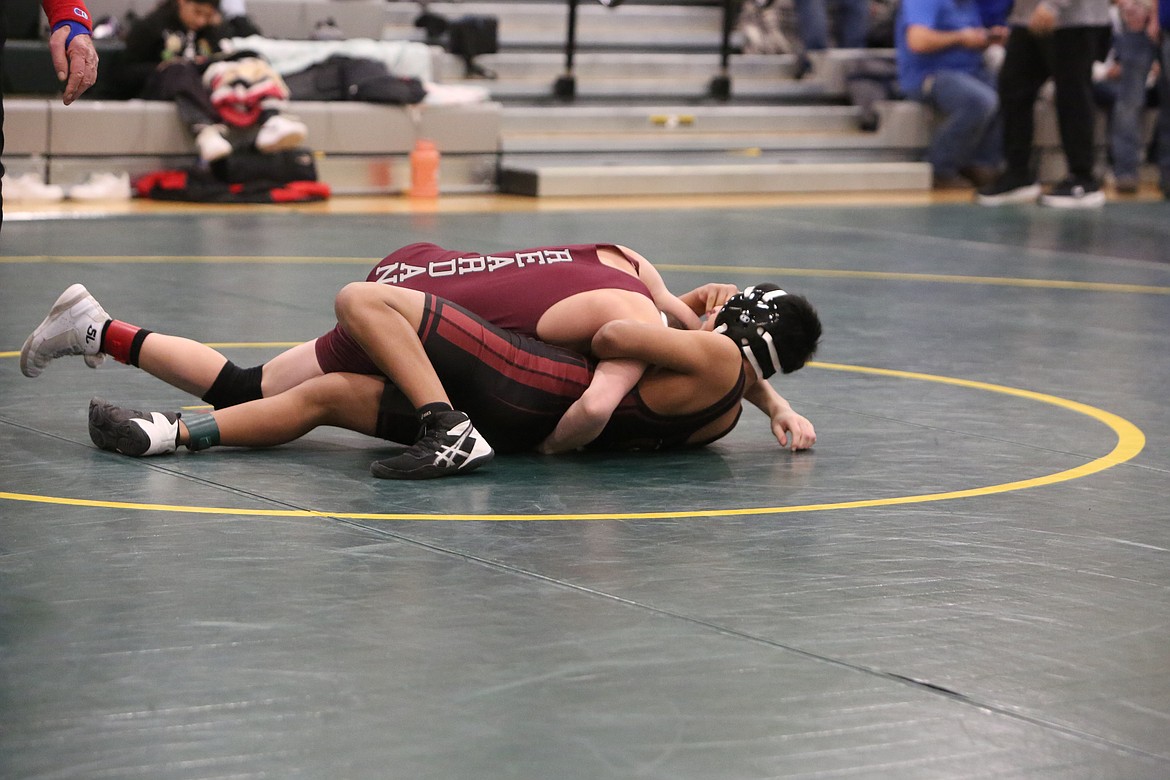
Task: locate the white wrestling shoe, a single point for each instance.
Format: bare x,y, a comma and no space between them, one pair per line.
73,327
128,432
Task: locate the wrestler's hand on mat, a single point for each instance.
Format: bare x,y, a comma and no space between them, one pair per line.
793,431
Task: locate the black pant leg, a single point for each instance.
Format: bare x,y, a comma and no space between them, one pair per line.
1072,52
3,39
182,82
1023,72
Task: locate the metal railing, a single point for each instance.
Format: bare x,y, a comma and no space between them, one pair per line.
565,87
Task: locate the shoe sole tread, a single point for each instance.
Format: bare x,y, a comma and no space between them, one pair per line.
113,435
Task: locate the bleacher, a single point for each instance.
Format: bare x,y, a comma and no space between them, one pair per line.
646,115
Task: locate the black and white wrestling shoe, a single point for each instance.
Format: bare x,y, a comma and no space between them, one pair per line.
449,445
129,432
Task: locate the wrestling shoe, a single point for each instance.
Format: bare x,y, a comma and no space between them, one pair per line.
449,445
73,327
132,433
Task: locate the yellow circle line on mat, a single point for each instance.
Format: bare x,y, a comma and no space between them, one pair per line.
1130,441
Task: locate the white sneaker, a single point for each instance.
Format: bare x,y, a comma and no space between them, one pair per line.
102,186
73,327
212,144
280,132
132,433
30,187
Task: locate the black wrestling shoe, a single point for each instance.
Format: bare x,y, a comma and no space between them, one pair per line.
449,445
132,433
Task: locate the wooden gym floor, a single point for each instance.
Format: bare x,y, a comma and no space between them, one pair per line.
968,577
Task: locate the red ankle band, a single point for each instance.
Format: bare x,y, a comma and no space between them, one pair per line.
118,340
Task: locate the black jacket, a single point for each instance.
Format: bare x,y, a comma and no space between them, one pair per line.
158,36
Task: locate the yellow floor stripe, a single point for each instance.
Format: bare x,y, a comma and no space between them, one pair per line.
773,273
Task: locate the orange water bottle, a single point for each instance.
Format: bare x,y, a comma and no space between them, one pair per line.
424,170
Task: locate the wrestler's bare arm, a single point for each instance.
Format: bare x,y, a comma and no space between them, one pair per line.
701,366
709,356
792,430
586,418
664,299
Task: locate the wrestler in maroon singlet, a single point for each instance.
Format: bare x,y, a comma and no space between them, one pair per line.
511,289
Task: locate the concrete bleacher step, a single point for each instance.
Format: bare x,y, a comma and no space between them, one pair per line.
566,178
678,149
530,25
529,76
632,75
681,128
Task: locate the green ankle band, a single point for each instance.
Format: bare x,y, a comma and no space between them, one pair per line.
202,431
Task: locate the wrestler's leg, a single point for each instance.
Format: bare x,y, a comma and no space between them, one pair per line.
202,371
385,320
350,401
347,401
78,325
180,362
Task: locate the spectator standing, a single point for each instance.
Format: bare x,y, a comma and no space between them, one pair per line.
71,47
939,52
1161,30
1127,71
1054,39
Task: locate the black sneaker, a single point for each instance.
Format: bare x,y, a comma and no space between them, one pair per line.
1074,193
132,433
1008,188
449,445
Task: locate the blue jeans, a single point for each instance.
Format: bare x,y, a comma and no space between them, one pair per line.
970,132
1135,54
812,19
1164,114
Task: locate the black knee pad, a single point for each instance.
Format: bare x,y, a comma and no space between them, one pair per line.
235,385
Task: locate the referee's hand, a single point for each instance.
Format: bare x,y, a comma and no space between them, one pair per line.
77,67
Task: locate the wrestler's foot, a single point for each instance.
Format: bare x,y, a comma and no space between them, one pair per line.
73,327
132,433
449,445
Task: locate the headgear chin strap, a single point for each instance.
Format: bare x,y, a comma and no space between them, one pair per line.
745,319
